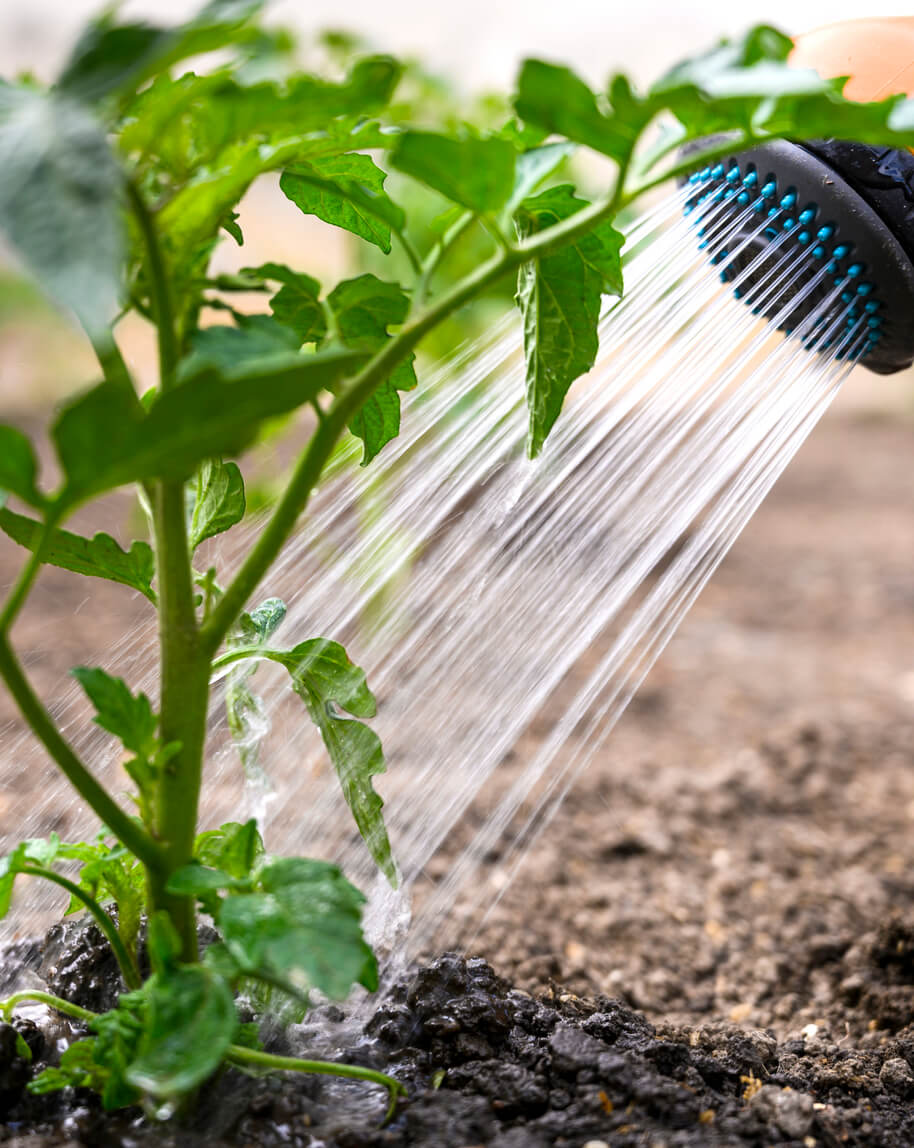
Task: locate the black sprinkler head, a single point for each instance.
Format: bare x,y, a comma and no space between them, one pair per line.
852,207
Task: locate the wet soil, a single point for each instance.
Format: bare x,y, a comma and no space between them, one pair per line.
717,931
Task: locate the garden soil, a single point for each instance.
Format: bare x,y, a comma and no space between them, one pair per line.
712,943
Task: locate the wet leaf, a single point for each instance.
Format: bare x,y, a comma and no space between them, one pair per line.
560,297
234,847
332,687
219,503
189,1024
303,928
128,716
96,557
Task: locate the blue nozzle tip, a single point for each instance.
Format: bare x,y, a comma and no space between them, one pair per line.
717,171
769,189
789,200
733,174
743,198
807,215
826,232
864,288
750,179
841,250
788,223
872,306
856,269
818,251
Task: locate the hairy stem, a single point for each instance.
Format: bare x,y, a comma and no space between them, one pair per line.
57,1003
124,828
184,699
26,579
252,1056
127,964
159,288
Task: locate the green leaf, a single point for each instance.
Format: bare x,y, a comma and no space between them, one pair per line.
555,99
190,1022
559,297
199,881
18,468
535,166
304,928
219,503
256,337
331,687
60,191
475,172
128,717
35,851
260,625
347,191
103,443
96,557
234,847
110,57
109,873
364,308
297,303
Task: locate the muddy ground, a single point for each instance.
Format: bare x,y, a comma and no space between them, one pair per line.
739,859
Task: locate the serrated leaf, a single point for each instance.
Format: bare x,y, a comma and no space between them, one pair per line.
96,557
103,443
60,191
234,847
559,297
473,171
261,624
219,503
303,928
346,191
364,308
118,711
297,303
190,1022
35,851
18,467
256,337
333,687
554,98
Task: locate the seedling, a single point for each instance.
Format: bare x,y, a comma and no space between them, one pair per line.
116,185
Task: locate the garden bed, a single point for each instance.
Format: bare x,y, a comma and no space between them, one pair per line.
737,861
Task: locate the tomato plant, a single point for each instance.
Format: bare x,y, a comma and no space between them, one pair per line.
117,183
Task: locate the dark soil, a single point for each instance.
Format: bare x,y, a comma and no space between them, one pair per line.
487,1064
717,930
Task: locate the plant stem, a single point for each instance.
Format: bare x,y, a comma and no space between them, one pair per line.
238,1055
437,253
159,288
26,579
127,831
83,1014
184,699
102,919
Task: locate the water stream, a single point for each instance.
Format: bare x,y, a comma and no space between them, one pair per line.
485,595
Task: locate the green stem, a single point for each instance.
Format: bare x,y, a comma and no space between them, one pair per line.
415,259
83,1014
238,1055
184,698
26,579
437,253
127,831
159,288
102,919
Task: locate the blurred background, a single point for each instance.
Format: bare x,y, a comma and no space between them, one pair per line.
469,49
